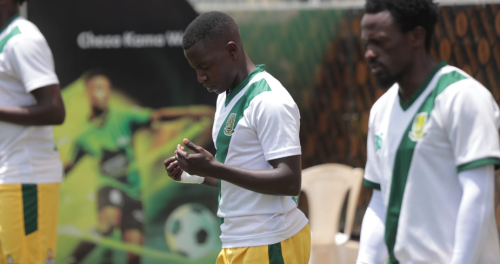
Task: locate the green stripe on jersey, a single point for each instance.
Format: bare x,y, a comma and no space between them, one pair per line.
8,23
227,129
403,160
4,41
30,207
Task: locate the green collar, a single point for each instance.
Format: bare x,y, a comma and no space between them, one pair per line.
239,87
8,23
421,88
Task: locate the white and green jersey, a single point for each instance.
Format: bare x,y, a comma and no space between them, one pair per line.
27,153
257,122
416,150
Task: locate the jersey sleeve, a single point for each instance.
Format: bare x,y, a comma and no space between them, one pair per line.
472,118
31,61
372,170
277,123
138,115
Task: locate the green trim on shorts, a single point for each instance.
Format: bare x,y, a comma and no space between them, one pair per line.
30,207
275,254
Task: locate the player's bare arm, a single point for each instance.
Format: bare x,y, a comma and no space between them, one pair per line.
283,179
48,110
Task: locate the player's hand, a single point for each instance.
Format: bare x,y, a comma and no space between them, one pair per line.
173,169
200,162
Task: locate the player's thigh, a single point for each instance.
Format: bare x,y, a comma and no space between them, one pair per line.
132,225
48,210
110,203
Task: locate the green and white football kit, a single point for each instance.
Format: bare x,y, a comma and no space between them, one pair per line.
416,151
259,121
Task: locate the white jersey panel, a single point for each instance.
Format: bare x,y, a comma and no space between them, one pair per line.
27,153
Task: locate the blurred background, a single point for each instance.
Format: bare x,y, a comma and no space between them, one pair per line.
131,50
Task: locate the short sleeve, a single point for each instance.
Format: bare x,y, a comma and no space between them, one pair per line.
138,115
276,120
472,118
31,61
372,168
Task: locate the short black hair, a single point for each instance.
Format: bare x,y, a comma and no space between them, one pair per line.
409,14
21,1
208,27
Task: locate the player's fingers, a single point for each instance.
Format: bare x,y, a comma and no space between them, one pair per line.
180,153
175,173
192,146
168,161
172,166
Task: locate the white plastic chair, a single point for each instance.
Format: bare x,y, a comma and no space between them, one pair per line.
326,187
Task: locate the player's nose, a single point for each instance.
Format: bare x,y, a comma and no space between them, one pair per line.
202,77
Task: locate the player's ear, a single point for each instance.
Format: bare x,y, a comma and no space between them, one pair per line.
232,50
417,37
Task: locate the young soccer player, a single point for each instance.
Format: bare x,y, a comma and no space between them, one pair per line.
256,132
30,169
432,145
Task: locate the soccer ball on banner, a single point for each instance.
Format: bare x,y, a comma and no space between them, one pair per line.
193,231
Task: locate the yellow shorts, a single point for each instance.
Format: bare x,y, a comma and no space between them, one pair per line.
28,222
295,250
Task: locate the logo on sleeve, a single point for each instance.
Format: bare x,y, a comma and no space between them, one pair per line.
417,129
229,130
378,142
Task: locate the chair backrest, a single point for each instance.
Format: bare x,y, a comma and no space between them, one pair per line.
326,187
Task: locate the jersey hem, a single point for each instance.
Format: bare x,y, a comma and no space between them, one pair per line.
270,239
371,185
478,163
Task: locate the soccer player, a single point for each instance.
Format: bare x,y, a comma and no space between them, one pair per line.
258,163
432,146
109,137
30,168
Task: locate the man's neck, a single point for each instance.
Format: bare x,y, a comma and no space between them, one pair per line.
6,16
415,75
243,73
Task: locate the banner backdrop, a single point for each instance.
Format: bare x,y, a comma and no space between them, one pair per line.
131,97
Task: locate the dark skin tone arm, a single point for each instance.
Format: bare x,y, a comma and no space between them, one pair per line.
48,110
284,179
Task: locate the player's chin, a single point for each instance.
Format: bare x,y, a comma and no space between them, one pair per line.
384,82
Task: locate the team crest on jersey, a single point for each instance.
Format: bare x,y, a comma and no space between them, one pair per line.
229,130
417,129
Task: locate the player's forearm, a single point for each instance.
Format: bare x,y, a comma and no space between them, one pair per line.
475,210
372,245
279,181
48,110
36,115
210,182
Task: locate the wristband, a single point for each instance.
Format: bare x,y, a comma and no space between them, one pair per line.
192,179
